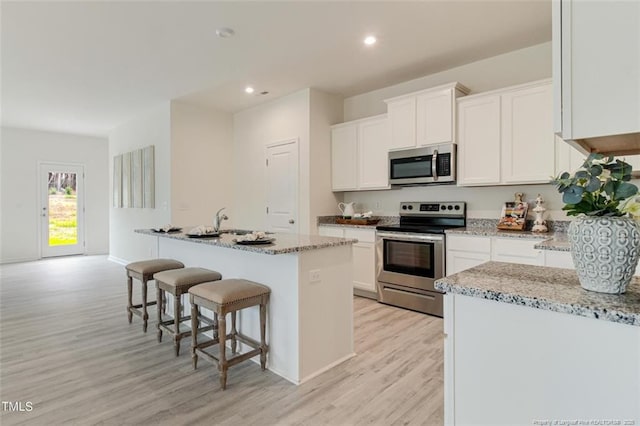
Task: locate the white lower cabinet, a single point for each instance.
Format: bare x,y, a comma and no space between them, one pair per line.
467,251
364,255
464,252
514,365
558,259
516,250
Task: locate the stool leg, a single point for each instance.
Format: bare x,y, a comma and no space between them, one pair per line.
194,333
222,362
129,298
263,346
215,326
145,314
159,305
234,343
176,323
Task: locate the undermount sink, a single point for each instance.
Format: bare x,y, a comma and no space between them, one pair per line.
238,231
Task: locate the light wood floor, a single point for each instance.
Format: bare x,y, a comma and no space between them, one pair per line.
66,346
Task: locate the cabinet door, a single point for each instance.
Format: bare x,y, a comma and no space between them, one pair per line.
364,266
402,123
598,41
460,260
528,142
373,154
479,141
344,158
434,117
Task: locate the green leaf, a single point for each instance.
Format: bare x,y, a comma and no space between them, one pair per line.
593,185
565,175
595,170
625,190
609,187
572,195
582,174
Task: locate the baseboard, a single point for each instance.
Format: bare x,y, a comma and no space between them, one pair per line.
365,293
118,260
19,260
326,368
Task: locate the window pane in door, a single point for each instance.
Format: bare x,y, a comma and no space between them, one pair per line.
63,209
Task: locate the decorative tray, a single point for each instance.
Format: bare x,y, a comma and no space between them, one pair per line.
254,242
342,221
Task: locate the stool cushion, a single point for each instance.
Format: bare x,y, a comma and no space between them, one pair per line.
187,276
229,290
155,265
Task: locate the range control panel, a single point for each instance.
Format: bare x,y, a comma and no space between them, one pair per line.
417,208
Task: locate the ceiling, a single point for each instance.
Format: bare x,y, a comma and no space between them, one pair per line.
86,67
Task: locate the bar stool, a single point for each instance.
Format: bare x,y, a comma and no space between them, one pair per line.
177,282
222,297
143,271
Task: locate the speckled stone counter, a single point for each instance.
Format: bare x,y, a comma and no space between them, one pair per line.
551,289
488,228
283,243
559,242
331,221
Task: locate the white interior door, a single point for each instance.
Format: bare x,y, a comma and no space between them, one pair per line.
62,209
282,187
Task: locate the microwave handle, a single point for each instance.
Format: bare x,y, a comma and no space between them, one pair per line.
434,164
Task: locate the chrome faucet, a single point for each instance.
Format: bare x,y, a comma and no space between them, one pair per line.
217,221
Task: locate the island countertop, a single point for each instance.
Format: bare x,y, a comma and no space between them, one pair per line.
540,287
282,244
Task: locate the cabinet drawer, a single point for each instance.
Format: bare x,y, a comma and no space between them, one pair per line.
469,243
516,250
361,234
330,231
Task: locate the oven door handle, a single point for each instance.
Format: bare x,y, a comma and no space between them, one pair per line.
414,237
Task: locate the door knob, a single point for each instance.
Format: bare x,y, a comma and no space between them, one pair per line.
291,221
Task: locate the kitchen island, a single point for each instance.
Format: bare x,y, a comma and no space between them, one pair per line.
527,345
310,313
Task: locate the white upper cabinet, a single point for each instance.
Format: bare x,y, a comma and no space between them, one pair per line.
528,142
423,118
479,140
344,158
373,154
506,136
402,123
596,73
359,154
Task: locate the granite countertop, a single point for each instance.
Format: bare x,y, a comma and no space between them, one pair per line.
283,243
559,242
540,287
331,221
493,232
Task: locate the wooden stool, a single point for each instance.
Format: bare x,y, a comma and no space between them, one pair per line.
222,297
178,282
143,271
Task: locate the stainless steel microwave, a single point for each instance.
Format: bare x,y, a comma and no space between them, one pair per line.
433,164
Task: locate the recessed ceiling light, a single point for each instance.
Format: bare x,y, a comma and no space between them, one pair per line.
248,89
225,32
369,40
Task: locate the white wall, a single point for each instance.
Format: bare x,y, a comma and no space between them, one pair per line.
282,119
201,164
20,152
325,110
520,66
150,128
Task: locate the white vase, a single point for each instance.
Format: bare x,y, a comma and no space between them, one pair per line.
605,252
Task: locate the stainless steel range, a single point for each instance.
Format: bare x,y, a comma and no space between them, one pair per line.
410,256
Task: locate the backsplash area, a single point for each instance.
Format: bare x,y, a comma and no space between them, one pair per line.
482,202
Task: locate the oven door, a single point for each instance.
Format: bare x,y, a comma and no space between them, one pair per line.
409,260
